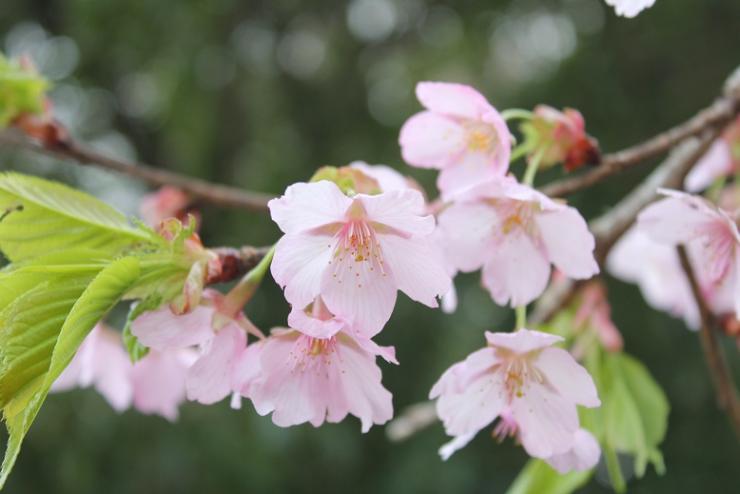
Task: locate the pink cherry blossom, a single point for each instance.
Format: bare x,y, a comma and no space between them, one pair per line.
356,252
159,381
594,314
514,232
102,362
306,379
220,339
722,159
167,202
460,133
709,233
388,179
583,455
521,379
560,137
630,8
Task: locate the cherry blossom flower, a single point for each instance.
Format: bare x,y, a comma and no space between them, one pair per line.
220,337
386,177
356,252
722,159
560,137
159,381
630,8
167,202
521,379
102,362
460,133
514,232
709,233
594,314
583,455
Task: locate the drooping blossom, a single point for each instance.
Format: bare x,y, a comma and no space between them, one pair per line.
722,159
460,133
159,381
514,233
594,314
630,8
560,137
220,338
583,455
709,233
101,361
320,371
521,379
356,252
167,202
153,385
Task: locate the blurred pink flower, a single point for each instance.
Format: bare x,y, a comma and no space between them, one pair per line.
583,455
159,381
721,160
460,134
167,202
102,362
630,8
514,232
709,233
561,138
532,387
594,314
356,252
220,339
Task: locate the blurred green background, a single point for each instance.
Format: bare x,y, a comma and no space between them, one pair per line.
258,94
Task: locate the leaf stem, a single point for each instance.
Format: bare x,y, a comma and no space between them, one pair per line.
521,316
513,113
532,167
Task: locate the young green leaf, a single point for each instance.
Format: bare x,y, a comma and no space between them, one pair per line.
537,477
42,216
44,341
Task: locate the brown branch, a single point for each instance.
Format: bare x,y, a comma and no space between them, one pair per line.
199,190
235,263
718,369
719,114
610,227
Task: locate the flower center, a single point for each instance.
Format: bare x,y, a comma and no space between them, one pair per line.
518,373
357,250
480,137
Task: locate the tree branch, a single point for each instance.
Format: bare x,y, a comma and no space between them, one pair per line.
235,263
719,114
718,369
201,190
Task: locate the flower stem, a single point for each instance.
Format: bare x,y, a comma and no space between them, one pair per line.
615,471
513,113
243,291
521,316
532,167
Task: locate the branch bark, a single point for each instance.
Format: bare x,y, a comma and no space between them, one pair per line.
198,190
719,114
718,369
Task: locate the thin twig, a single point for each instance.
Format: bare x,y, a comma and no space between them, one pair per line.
200,190
235,263
721,375
719,114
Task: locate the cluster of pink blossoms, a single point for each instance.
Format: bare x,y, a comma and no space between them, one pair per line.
513,233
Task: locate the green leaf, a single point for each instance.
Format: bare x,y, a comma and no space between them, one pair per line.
22,90
537,477
42,216
136,350
41,341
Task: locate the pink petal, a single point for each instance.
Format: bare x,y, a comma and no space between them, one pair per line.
716,163
472,168
466,230
452,99
388,179
387,353
363,293
430,140
209,380
161,329
584,455
546,421
630,8
306,206
402,210
248,370
456,444
571,380
675,220
113,369
569,243
417,267
522,341
476,406
299,320
159,382
299,264
516,272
